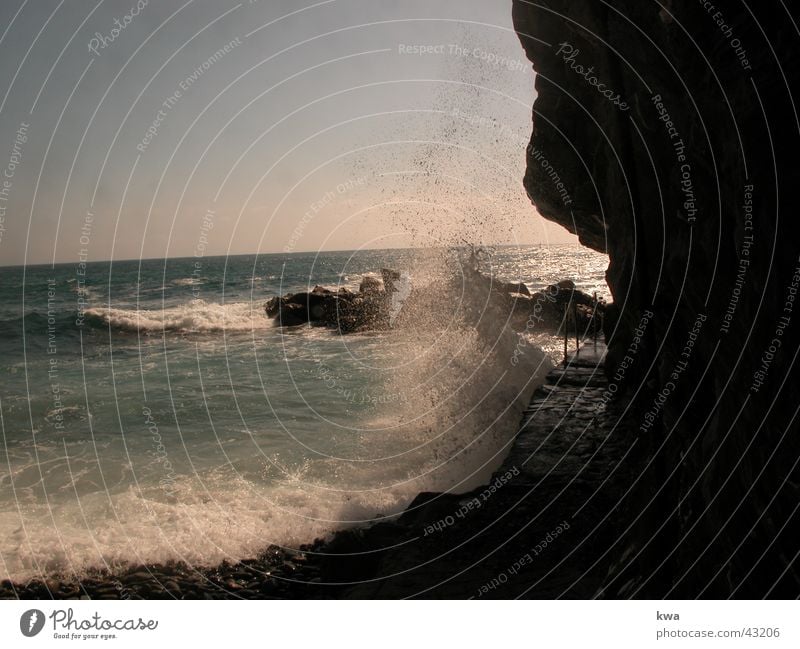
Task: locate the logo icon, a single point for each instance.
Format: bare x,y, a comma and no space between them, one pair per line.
31,622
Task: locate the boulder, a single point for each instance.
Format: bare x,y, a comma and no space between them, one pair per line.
314,304
370,285
564,292
341,309
291,314
272,307
518,287
390,278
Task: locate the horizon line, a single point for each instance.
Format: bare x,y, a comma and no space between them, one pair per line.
283,252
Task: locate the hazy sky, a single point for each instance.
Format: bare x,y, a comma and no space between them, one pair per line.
265,126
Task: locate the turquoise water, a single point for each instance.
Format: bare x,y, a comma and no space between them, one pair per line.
151,411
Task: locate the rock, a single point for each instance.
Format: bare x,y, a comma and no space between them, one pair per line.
564,293
136,578
172,586
291,315
675,224
341,309
390,278
105,589
546,310
517,288
272,306
267,587
370,284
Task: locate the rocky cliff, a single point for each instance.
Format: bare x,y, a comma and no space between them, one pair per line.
666,134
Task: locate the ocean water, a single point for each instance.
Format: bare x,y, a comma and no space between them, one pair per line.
152,412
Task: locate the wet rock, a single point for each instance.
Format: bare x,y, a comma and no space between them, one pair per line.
172,586
272,307
341,309
136,578
370,284
518,288
242,574
292,315
267,587
390,279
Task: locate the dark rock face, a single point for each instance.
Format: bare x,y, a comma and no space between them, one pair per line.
666,135
342,309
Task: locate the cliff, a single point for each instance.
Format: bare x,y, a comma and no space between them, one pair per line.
674,128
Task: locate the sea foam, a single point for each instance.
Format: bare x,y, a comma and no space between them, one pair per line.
195,316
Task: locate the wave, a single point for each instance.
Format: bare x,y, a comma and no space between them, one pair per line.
449,386
189,281
203,521
464,378
197,316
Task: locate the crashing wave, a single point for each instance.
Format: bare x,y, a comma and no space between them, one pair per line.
197,316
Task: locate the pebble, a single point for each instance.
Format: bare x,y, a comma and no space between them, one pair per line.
136,577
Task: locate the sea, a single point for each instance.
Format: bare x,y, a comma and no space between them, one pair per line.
151,412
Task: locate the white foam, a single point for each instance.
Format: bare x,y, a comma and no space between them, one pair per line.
188,281
205,522
196,316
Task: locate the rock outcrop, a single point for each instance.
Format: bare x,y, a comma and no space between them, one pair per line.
666,135
377,305
342,309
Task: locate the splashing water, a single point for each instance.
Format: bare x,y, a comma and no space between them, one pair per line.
208,433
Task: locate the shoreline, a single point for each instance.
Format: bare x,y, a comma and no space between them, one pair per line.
522,526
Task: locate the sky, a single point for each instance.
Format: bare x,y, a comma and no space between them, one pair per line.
150,129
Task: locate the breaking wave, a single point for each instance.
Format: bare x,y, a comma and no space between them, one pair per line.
197,316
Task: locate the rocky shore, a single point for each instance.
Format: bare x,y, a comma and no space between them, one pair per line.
381,304
540,529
